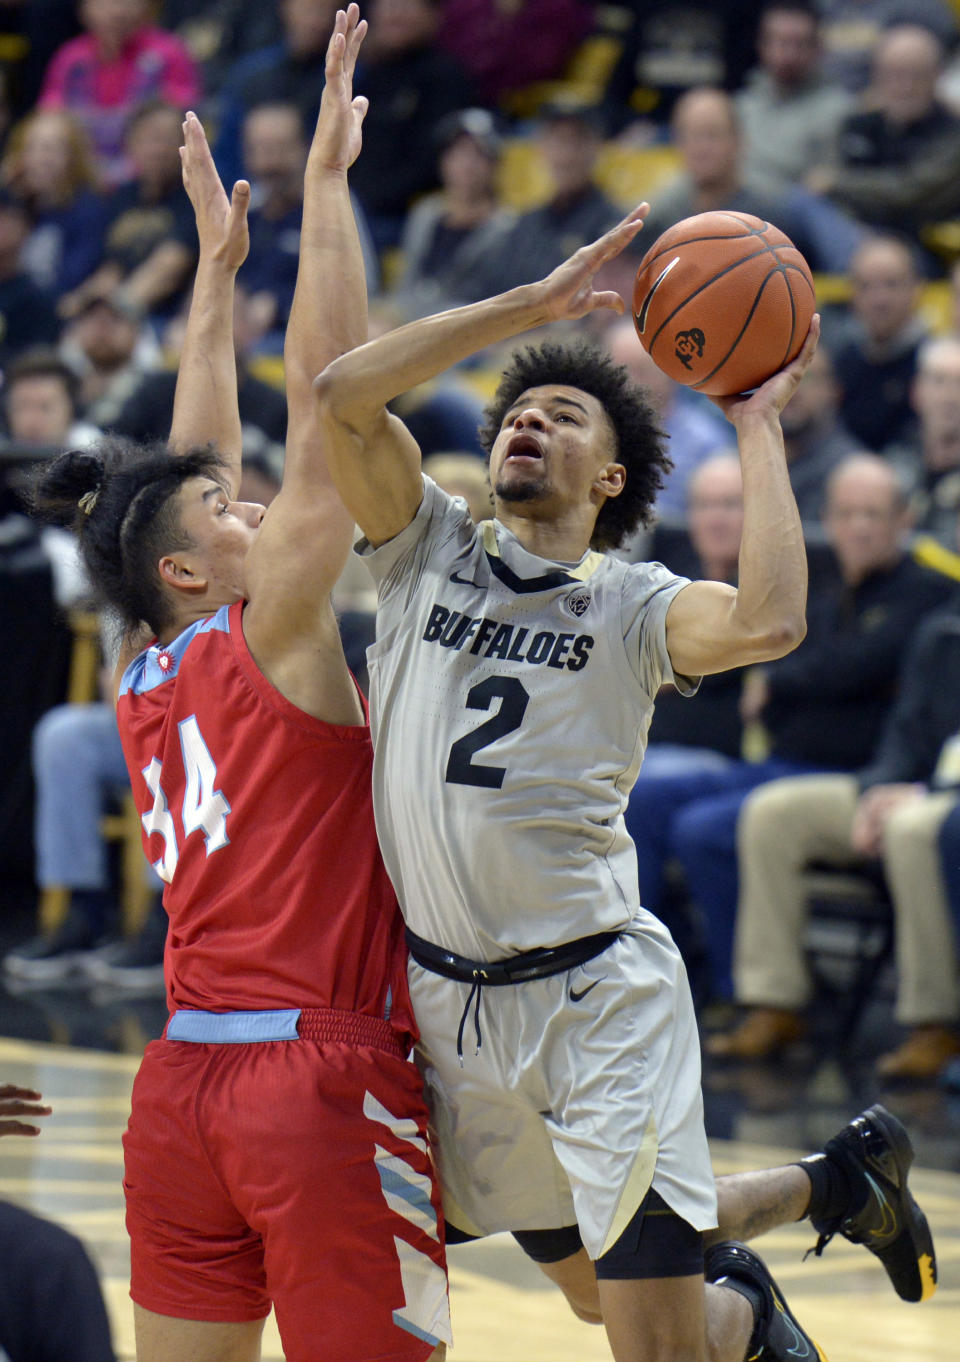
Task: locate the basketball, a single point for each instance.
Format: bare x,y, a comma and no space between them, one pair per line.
722,301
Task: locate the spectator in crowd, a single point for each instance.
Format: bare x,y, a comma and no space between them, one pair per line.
411,84
822,706
49,163
896,164
109,349
815,439
930,456
27,315
875,351
505,47
892,809
448,235
709,732
675,46
147,412
118,63
41,397
569,137
275,153
706,131
288,70
220,33
149,243
41,412
788,112
79,772
51,1306
851,30
694,426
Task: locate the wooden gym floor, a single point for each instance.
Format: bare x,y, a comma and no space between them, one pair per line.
503,1311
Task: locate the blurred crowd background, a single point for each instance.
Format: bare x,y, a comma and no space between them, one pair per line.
502,135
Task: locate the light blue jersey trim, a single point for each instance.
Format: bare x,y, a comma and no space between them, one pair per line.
161,661
233,1028
414,1329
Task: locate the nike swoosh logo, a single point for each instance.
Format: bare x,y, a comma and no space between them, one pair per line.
575,996
889,1222
463,581
799,1346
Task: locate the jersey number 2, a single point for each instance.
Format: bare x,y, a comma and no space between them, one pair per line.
205,808
513,702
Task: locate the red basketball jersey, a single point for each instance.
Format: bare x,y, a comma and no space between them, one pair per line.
260,819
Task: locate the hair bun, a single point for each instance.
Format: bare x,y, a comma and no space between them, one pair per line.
67,488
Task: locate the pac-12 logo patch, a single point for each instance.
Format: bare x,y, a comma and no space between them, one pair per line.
578,602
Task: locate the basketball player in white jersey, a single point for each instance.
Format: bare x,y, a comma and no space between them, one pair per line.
512,683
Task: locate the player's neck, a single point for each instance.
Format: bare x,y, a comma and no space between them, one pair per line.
562,539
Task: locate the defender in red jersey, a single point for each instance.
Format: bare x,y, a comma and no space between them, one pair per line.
276,1152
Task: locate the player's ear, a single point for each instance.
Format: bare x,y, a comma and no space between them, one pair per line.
176,571
611,479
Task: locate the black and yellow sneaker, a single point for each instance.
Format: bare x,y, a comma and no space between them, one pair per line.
875,1152
777,1334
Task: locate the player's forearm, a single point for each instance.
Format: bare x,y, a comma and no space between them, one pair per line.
772,582
359,385
205,406
328,316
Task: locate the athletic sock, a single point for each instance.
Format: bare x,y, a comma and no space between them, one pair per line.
831,1193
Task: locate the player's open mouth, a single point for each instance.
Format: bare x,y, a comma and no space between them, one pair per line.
523,447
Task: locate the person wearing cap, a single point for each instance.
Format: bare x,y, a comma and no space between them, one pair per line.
448,235
569,140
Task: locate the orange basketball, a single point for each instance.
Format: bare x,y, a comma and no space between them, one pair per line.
722,301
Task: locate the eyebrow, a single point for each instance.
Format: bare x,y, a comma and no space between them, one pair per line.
215,491
555,401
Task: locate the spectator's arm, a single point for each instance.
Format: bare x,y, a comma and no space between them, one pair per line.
888,192
164,271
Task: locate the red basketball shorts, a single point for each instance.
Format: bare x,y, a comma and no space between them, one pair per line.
293,1173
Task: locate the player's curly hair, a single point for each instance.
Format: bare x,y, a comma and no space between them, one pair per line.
641,442
119,498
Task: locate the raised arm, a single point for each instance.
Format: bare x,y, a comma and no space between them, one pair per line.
373,458
205,405
306,534
712,627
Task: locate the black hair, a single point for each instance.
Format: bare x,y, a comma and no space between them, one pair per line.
640,440
119,498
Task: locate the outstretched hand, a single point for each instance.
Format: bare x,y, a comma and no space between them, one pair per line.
15,1102
221,222
776,392
337,140
569,291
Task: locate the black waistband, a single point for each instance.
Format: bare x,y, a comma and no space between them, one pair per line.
512,969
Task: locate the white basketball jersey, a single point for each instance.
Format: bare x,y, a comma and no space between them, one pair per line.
510,701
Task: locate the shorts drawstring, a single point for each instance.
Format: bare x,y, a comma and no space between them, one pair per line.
476,991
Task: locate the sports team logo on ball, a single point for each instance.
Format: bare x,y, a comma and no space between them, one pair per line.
689,346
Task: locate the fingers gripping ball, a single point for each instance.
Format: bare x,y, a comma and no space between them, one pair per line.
722,301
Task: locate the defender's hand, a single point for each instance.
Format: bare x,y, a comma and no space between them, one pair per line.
337,140
221,222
